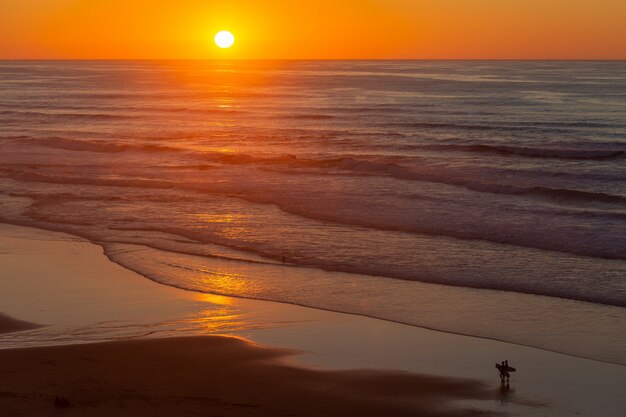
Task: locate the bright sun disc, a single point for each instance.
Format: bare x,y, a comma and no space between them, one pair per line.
224,39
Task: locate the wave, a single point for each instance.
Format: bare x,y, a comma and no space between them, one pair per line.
564,128
537,152
307,116
85,116
112,146
402,172
359,166
578,124
442,224
442,125
469,126
574,195
65,109
52,179
531,287
94,145
391,109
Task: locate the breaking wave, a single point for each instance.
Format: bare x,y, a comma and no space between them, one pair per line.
538,152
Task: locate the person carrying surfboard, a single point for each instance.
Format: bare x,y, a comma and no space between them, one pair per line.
504,370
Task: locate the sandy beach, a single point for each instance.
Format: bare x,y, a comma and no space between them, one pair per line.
211,376
114,342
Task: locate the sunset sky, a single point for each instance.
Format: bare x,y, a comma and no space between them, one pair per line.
323,29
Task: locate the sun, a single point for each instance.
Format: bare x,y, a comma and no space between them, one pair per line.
224,39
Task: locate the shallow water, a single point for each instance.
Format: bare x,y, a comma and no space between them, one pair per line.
342,185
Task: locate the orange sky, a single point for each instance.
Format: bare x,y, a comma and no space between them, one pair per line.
317,29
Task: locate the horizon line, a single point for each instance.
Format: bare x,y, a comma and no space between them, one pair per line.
324,59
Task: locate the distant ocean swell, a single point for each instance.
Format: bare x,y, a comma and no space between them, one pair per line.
538,152
443,176
13,116
436,173
600,151
478,127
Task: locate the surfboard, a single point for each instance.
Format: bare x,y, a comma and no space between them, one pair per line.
508,368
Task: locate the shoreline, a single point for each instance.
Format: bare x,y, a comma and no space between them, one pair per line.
111,259
330,310
444,303
73,276
10,325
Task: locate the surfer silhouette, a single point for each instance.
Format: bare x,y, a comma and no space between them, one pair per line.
505,370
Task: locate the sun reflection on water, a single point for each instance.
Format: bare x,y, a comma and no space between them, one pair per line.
225,282
221,314
216,218
229,225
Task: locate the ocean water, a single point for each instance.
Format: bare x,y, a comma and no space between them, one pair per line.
483,198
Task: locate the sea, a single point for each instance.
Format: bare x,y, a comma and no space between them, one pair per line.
485,198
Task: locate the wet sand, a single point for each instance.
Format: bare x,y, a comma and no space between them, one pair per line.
211,376
9,324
